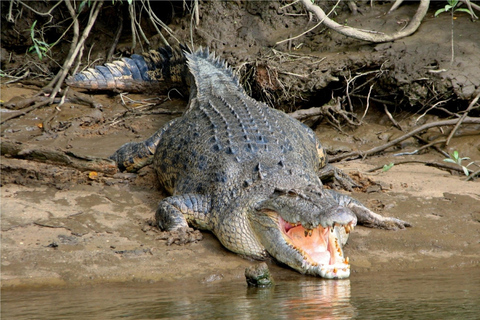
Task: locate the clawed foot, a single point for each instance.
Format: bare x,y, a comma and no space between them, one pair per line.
180,236
368,218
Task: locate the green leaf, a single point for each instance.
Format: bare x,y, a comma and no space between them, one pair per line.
465,170
455,155
387,167
464,10
32,30
439,11
449,160
452,3
82,5
39,53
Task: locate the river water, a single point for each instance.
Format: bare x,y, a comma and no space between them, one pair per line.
450,294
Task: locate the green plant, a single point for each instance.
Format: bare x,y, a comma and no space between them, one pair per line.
451,6
40,47
455,158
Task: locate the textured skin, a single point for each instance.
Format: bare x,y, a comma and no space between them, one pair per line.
155,70
249,174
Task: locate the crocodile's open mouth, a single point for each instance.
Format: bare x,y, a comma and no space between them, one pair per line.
319,247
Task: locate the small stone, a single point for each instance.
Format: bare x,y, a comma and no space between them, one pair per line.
259,276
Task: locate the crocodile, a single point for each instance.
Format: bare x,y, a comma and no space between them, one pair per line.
234,166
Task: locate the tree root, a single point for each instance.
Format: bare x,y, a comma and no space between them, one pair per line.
331,111
366,35
451,122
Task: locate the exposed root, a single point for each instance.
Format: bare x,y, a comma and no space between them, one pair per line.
395,6
332,111
367,35
312,28
116,37
471,6
54,87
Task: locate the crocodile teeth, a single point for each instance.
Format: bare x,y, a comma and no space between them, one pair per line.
349,228
308,232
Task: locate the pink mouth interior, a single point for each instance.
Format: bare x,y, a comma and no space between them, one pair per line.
319,247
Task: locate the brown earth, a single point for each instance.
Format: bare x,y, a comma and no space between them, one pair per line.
64,226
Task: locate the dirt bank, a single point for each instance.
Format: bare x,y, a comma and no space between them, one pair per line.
64,226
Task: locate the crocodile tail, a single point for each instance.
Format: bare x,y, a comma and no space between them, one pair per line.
153,70
207,69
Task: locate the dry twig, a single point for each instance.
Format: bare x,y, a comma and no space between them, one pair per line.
76,47
443,166
470,106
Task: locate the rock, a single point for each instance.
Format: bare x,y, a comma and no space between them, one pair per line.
259,276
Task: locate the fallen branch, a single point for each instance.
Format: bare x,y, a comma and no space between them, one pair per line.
27,151
473,175
371,36
443,166
416,136
470,106
451,122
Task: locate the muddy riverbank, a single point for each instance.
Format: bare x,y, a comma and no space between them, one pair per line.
67,226
62,226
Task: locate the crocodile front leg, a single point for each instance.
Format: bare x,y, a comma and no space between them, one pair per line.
365,216
133,156
177,212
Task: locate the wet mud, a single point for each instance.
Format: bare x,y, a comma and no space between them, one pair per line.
76,225
64,226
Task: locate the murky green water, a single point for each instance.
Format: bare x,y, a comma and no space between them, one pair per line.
453,294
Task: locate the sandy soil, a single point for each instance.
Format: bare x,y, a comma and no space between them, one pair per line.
64,226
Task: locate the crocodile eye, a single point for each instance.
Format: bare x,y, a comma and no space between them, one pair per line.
292,193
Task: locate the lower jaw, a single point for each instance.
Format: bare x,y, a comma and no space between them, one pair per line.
333,272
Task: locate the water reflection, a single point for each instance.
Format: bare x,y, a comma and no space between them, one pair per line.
310,299
432,295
